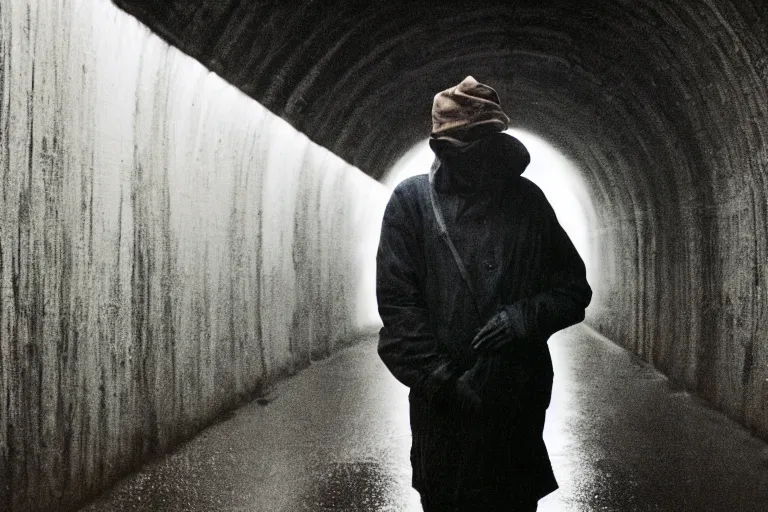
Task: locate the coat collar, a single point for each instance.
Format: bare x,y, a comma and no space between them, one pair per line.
484,164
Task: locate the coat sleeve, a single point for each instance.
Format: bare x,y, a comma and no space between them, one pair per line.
407,344
566,294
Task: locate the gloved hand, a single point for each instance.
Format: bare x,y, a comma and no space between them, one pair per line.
502,331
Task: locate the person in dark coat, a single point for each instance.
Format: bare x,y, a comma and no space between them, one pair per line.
467,333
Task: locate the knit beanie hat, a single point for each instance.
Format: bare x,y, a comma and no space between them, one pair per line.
467,111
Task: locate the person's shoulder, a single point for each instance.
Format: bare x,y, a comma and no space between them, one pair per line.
407,196
412,184
530,187
411,188
533,193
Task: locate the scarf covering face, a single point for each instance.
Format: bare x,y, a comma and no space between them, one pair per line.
467,112
483,165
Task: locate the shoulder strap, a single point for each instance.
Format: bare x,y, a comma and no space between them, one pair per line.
444,234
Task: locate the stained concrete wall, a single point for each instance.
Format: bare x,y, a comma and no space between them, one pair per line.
168,248
683,197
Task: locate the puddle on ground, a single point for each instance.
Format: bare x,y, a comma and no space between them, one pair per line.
354,486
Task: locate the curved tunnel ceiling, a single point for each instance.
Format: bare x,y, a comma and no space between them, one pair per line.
663,105
358,77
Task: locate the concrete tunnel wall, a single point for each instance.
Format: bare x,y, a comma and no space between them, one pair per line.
168,248
662,105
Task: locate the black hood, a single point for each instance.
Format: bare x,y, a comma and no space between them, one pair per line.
484,164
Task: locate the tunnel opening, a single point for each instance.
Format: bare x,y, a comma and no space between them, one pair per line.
559,178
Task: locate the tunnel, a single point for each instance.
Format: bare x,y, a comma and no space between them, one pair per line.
191,193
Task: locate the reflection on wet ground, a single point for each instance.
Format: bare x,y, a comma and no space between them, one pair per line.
363,485
337,438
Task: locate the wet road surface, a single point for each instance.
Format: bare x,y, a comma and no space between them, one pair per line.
336,437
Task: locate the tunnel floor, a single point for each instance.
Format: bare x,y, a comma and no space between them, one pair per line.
336,437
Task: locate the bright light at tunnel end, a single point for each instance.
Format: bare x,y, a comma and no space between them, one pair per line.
559,179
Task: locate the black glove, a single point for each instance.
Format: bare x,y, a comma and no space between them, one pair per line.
502,331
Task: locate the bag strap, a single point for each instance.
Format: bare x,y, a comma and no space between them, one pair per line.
444,234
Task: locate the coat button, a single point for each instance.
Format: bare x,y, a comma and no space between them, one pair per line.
488,265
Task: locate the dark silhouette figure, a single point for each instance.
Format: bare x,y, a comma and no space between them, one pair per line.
474,274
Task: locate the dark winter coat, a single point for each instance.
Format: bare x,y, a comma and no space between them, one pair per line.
516,254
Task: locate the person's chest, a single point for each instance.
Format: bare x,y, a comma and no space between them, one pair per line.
499,241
